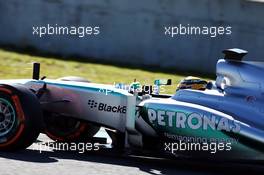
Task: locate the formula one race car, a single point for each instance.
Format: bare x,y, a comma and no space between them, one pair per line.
222,119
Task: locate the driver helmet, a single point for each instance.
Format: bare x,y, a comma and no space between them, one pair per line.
192,83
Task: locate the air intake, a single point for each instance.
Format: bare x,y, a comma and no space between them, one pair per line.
234,54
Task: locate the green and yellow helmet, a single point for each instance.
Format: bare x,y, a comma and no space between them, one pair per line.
192,83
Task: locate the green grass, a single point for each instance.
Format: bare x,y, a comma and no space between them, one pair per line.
16,65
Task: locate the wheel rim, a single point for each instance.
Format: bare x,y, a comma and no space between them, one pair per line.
7,117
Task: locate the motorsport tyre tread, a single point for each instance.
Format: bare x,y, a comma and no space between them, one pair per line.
26,114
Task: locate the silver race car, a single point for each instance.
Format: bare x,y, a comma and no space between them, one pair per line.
222,119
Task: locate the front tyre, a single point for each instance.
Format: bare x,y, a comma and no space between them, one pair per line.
68,129
20,117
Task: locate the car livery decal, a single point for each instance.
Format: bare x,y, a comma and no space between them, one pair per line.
106,107
191,120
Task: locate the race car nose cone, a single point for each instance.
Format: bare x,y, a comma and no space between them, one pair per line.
2,117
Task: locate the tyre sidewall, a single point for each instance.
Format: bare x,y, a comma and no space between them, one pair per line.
29,120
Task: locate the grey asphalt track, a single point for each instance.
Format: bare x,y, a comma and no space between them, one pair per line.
33,161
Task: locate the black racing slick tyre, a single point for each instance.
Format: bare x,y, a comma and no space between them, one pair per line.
68,129
20,117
